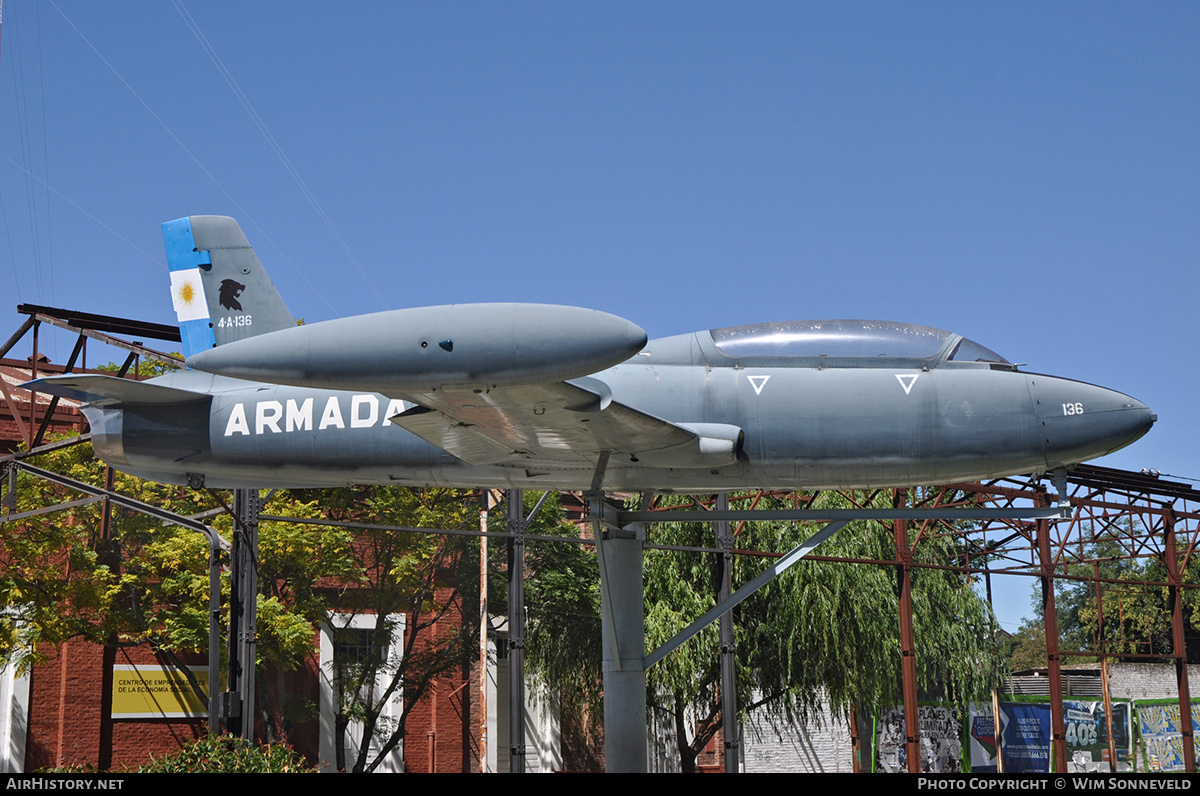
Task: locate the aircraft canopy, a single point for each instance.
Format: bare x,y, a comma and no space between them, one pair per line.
846,338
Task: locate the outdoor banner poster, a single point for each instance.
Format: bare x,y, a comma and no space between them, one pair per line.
1162,741
941,740
1025,737
1025,731
981,739
1087,735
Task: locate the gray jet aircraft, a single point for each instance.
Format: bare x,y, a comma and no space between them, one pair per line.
550,397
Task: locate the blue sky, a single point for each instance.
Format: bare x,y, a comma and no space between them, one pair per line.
1021,173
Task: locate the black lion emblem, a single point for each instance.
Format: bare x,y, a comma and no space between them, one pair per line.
228,296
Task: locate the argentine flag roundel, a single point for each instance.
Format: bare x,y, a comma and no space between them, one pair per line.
187,295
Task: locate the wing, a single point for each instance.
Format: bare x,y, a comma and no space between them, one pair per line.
110,390
564,423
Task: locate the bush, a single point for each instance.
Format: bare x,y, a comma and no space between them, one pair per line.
226,754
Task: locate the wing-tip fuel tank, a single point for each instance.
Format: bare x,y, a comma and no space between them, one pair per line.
553,397
455,347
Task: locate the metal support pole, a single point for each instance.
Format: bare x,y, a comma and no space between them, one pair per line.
1058,742
908,660
1179,646
108,554
1108,714
249,589
729,718
214,633
48,415
243,621
1101,645
514,499
33,374
856,764
997,730
485,504
231,706
622,627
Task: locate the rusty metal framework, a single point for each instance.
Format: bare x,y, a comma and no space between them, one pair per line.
85,325
1116,519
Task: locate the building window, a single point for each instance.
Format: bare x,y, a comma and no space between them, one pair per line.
360,655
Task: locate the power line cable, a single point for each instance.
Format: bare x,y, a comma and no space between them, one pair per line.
186,151
211,51
73,204
12,254
27,161
45,153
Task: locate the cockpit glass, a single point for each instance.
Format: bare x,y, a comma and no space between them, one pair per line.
841,338
970,351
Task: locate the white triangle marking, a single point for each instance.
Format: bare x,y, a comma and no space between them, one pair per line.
758,382
907,380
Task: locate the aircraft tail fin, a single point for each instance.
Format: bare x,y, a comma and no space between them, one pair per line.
219,289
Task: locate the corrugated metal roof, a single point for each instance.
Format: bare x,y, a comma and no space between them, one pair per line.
1036,682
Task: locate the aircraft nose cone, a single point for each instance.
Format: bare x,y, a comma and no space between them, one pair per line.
1081,421
1136,418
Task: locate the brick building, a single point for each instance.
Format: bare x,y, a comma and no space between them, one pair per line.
66,717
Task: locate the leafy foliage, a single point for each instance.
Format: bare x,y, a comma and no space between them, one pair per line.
1027,647
225,754
414,574
144,582
1127,611
62,578
146,368
562,600
820,630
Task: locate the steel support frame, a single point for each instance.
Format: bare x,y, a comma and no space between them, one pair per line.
622,629
625,630
85,325
730,728
109,496
243,613
1046,560
517,525
1176,575
1103,498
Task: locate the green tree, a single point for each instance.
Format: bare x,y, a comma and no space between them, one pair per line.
62,578
562,628
1131,590
430,579
146,582
1026,649
822,630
